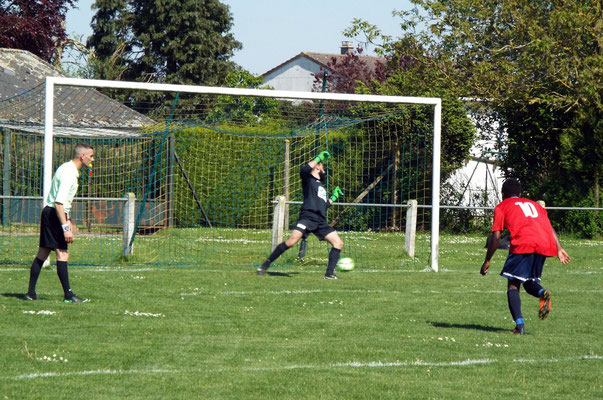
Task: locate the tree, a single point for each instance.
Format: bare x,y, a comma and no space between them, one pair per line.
413,72
537,64
170,41
246,110
37,26
111,39
406,70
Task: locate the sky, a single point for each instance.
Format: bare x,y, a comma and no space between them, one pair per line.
273,31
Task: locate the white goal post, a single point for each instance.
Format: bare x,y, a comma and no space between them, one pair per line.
52,82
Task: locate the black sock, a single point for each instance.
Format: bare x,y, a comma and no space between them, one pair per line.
333,258
278,250
514,304
64,278
34,273
303,245
532,288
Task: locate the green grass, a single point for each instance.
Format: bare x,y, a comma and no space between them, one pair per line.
219,247
390,332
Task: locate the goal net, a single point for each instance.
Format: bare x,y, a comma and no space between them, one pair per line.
188,175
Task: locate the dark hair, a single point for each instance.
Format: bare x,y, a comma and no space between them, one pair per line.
80,148
511,187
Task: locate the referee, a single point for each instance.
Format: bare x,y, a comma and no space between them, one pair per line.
56,229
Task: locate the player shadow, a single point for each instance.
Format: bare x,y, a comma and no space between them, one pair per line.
20,296
468,326
285,274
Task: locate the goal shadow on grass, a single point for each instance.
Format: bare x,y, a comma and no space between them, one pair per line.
467,326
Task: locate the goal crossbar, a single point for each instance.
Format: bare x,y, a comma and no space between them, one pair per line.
51,82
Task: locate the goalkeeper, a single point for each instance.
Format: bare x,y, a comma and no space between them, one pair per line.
312,217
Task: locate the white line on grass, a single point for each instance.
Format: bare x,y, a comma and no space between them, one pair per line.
41,312
418,363
142,314
349,364
308,291
287,292
94,269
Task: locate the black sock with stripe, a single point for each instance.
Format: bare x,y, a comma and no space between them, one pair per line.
64,278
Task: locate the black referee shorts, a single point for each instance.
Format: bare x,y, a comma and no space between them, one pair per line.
51,232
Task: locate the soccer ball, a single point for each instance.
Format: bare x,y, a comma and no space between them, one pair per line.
346,264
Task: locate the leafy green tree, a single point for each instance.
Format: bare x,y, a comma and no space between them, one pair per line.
171,41
537,64
246,110
411,71
112,40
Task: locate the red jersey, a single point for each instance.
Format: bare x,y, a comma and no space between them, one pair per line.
529,225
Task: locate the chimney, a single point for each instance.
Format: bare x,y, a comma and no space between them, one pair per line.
347,47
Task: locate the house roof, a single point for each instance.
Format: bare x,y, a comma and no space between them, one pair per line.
79,111
324,59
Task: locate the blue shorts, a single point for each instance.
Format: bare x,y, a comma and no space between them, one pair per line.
523,267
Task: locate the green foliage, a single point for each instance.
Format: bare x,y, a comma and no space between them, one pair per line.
171,41
457,133
234,192
246,110
236,171
111,39
539,65
465,220
536,64
414,73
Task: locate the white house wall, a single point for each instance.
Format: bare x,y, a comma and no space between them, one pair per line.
477,178
296,75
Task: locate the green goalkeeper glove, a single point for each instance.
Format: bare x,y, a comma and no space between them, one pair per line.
322,156
336,193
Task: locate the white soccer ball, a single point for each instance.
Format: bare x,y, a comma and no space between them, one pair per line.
346,264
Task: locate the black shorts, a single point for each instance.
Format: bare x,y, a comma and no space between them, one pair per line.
51,232
318,228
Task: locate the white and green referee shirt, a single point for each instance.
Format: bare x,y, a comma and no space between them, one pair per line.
64,186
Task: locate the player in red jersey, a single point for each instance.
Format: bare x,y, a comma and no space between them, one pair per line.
533,239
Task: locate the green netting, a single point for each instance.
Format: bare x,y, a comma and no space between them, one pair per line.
205,171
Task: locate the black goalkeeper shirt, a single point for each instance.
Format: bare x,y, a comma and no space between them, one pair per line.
315,195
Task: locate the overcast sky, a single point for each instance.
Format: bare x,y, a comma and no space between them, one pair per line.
272,31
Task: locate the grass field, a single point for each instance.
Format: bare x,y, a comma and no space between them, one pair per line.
218,247
391,332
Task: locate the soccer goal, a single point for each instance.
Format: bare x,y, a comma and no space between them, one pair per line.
192,175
